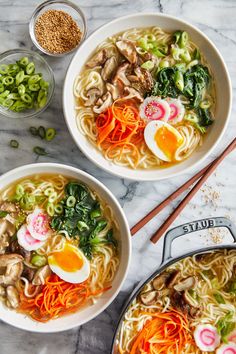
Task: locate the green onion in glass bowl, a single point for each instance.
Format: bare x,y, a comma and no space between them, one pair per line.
26,83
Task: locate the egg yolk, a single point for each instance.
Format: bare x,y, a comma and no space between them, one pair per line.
67,259
167,141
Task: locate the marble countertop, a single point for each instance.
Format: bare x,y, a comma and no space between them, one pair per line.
217,20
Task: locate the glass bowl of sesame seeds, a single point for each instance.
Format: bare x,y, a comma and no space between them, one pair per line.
57,27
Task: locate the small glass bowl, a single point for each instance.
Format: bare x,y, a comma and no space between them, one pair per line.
41,66
66,6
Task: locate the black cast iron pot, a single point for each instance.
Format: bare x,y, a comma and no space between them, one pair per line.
168,260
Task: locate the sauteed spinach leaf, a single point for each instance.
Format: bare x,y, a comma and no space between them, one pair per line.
81,217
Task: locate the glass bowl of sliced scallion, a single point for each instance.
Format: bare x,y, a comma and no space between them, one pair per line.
26,83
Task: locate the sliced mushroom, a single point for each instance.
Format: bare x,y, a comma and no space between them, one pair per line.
93,94
103,103
132,93
144,77
160,281
10,259
28,273
114,90
13,270
14,247
13,299
177,301
121,74
8,206
2,291
128,50
149,297
41,275
171,280
109,68
185,284
98,59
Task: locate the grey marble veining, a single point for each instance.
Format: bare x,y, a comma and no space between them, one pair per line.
217,19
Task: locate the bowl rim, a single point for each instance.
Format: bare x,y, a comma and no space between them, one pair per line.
170,174
40,58
128,246
33,21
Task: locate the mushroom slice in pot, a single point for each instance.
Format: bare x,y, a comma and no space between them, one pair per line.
149,297
13,299
172,278
41,275
160,281
109,68
133,94
185,284
103,103
128,50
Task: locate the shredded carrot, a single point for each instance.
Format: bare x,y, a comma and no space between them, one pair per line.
56,298
165,333
120,128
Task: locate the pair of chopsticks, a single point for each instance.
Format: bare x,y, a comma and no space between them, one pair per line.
201,177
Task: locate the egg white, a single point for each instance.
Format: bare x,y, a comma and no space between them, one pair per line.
78,276
149,136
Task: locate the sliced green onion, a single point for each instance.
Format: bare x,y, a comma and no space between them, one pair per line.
58,209
49,191
149,65
41,132
20,189
14,144
33,131
3,69
196,54
38,260
2,88
52,197
14,96
39,151
26,98
21,89
19,77
42,102
5,93
179,80
205,104
13,69
82,226
50,134
50,209
24,61
7,103
8,80
95,213
34,87
183,39
30,68
44,84
33,79
177,36
18,106
70,202
164,64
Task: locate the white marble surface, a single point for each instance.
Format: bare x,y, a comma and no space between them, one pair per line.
217,19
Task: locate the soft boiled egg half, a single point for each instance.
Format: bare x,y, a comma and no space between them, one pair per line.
69,264
162,139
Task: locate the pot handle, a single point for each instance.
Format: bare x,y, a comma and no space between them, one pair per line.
193,226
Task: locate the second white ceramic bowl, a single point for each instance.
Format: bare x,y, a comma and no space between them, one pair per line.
88,313
222,83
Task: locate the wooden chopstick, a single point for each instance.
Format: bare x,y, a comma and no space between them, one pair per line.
165,202
157,235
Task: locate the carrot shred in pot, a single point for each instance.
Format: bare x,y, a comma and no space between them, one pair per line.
120,127
165,333
57,298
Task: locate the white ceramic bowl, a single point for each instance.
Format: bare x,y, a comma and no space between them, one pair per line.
222,82
67,322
